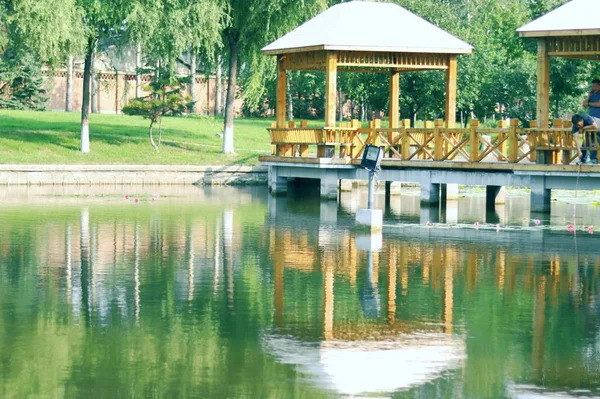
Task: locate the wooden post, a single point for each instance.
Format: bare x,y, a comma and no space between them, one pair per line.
282,149
543,84
513,141
394,99
557,156
330,100
281,88
394,113
532,141
501,138
405,140
451,75
474,141
438,142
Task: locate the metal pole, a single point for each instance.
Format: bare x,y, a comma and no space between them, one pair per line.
371,200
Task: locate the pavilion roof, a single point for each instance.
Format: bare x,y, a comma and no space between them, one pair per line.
575,18
368,26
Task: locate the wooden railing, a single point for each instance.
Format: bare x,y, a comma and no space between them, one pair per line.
435,142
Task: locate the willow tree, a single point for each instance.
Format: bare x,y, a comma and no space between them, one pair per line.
167,29
252,24
101,19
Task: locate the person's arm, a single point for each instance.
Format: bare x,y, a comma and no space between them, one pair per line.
588,128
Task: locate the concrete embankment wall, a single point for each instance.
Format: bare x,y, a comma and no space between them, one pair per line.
131,174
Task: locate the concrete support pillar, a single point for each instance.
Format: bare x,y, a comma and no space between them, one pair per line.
429,213
329,185
451,212
277,184
540,195
490,197
430,192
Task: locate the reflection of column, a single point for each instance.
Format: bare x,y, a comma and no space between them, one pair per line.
279,285
84,243
228,253
69,263
471,270
539,324
425,266
136,271
404,271
328,301
370,296
448,297
190,255
436,267
392,276
217,265
500,269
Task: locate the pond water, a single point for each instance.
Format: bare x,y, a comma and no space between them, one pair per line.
228,292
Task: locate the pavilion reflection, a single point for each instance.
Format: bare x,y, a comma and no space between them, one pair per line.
376,349
424,264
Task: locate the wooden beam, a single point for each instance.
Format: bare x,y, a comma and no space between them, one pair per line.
451,77
394,99
281,93
330,88
543,85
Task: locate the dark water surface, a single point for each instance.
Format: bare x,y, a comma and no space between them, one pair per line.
227,292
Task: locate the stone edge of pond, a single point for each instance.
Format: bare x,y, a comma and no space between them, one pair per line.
132,174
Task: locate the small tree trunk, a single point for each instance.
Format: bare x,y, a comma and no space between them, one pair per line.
69,97
290,104
192,108
229,104
219,87
85,103
138,65
151,137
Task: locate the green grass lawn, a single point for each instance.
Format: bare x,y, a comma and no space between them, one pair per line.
28,137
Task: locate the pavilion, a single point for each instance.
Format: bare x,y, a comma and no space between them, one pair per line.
566,32
362,36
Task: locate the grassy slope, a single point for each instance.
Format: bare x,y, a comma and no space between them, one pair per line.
28,137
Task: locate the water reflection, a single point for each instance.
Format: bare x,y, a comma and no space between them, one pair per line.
227,292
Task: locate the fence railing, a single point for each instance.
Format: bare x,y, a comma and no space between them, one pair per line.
435,142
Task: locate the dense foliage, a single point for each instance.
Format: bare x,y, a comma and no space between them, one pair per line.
21,85
498,80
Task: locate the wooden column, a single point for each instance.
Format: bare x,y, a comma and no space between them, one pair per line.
281,92
451,75
330,88
330,102
394,99
394,113
543,85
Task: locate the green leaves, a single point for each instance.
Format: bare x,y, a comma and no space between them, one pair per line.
165,98
21,85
